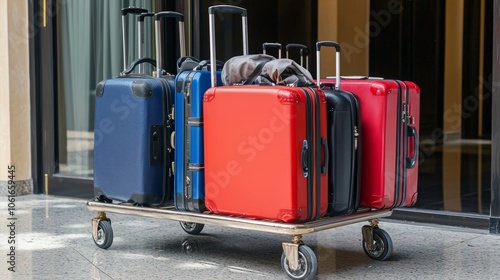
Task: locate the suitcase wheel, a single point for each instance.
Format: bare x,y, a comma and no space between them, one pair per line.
104,237
382,246
192,228
307,264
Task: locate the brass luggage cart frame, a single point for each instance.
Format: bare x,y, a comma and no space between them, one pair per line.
298,261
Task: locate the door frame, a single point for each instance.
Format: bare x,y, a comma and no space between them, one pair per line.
44,107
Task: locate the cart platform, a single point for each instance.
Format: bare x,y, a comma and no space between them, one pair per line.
298,261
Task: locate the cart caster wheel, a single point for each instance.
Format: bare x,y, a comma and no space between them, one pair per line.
103,198
308,264
104,235
192,228
382,245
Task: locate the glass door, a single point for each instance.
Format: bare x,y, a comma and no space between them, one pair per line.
80,45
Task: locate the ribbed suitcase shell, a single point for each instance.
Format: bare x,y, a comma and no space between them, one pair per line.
130,130
344,140
386,179
189,184
254,139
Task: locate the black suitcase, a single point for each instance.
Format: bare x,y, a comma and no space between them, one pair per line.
344,130
133,120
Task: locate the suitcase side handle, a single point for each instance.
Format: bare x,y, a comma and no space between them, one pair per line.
326,152
125,12
304,52
412,162
273,45
304,159
211,20
182,43
337,58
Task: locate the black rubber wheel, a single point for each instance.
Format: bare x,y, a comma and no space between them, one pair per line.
192,228
103,198
382,245
104,235
308,264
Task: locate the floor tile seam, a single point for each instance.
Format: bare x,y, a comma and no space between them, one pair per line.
85,258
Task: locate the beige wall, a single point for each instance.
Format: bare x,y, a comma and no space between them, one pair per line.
15,148
452,153
345,22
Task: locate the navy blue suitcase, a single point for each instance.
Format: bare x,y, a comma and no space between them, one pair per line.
133,120
130,155
344,135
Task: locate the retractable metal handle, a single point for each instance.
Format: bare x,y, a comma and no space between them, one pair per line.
304,52
337,58
273,45
125,12
182,43
211,20
140,35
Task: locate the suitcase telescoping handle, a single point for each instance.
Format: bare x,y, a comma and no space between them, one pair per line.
125,12
304,53
337,58
272,45
211,20
140,35
182,42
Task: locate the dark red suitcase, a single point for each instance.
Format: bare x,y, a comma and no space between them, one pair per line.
390,112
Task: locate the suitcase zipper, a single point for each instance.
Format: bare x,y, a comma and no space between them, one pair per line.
317,149
309,136
397,180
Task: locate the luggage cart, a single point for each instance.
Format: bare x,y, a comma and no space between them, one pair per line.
298,261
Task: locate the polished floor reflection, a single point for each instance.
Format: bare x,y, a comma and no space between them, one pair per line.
456,177
53,241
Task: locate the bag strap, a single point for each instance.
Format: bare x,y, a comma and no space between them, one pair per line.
256,72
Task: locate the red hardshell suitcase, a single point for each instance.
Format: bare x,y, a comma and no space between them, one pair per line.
390,113
266,153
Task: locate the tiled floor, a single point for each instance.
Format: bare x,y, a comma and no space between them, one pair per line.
53,241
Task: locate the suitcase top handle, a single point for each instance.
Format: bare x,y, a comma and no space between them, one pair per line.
337,58
211,18
133,10
304,53
182,43
228,9
141,17
272,45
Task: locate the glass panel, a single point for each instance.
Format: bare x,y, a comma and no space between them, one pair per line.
89,49
456,174
453,70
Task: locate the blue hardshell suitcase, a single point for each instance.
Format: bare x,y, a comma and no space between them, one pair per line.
133,122
189,187
131,160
